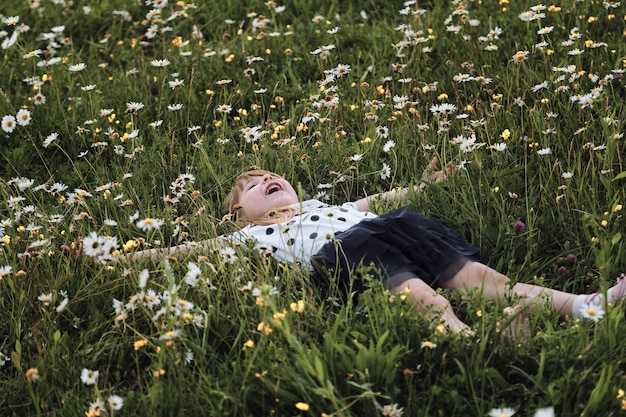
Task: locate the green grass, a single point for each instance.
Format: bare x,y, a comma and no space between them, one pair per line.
237,342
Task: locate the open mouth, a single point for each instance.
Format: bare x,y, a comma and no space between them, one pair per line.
272,188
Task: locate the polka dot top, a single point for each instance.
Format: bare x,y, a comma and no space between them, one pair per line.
299,238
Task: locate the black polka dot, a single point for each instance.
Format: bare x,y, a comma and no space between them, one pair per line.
291,222
313,235
269,231
315,218
274,249
341,219
343,209
291,241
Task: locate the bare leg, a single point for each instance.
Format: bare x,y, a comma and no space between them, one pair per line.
428,301
495,286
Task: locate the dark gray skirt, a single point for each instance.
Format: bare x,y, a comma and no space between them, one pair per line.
399,245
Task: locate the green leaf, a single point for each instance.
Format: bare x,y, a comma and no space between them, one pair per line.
616,238
620,176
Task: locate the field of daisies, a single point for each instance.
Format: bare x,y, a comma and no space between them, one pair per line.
124,123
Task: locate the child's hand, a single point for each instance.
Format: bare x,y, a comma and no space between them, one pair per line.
515,327
430,175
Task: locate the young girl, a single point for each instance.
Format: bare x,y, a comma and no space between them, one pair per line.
409,252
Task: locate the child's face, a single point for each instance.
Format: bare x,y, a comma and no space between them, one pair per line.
262,194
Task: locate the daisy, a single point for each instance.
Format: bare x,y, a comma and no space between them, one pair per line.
14,201
191,278
172,334
520,56
133,107
89,377
540,86
567,175
149,224
115,402
462,78
224,108
9,42
5,270
46,299
386,172
11,21
57,188
23,117
544,151
382,132
388,146
252,134
22,183
545,30
77,67
144,275
501,412
160,63
443,108
341,69
309,117
92,244
39,99
228,254
175,107
62,305
592,311
109,248
392,410
176,83
8,123
544,412
32,54
96,407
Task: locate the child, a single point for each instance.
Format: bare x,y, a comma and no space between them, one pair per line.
414,253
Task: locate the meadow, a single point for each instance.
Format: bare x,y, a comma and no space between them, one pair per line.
124,124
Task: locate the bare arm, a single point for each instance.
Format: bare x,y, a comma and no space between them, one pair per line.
400,194
200,247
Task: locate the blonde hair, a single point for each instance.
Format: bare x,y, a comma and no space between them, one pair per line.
232,207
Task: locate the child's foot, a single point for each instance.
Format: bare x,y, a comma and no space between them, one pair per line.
616,292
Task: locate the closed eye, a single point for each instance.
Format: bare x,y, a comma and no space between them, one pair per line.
250,185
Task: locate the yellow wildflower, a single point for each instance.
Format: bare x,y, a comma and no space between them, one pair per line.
302,406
